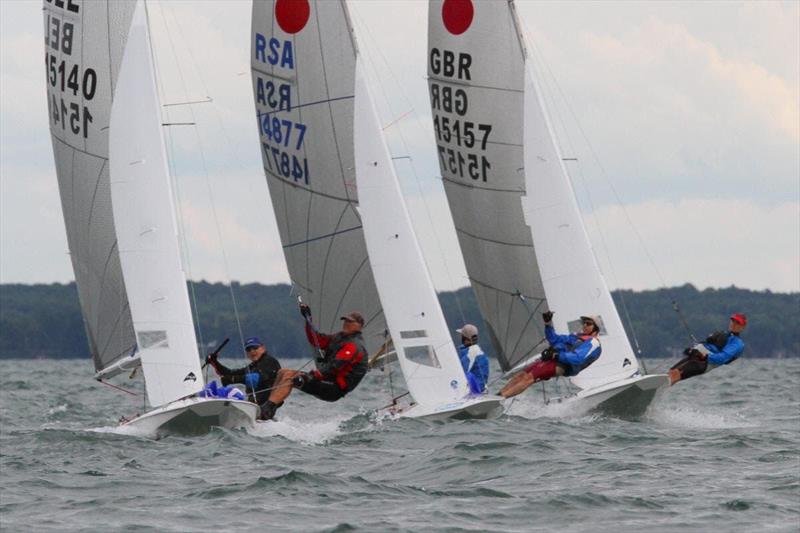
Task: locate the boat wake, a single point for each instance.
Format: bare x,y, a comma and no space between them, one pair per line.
691,418
305,432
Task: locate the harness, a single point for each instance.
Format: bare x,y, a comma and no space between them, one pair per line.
574,345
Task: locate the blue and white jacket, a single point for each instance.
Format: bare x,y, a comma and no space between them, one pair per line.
732,349
575,352
476,367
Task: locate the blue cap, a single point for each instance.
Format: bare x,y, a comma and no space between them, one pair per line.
252,342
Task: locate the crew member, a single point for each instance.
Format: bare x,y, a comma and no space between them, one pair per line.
474,361
567,355
719,348
341,365
258,377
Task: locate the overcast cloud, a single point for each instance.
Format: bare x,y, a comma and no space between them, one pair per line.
690,111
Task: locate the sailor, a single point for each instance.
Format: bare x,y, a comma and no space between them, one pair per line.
474,361
341,364
258,377
719,348
567,355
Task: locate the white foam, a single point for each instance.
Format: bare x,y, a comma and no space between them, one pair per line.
307,431
58,409
533,408
688,417
130,431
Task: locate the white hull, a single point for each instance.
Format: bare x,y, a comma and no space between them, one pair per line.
626,398
195,416
487,406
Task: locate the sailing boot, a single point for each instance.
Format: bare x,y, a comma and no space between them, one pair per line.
268,409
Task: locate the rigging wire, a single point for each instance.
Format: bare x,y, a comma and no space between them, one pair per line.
207,180
175,184
618,200
367,54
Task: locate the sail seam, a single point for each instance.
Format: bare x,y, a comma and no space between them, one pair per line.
448,81
312,191
492,189
322,237
495,241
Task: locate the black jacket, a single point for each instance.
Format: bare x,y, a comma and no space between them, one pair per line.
267,369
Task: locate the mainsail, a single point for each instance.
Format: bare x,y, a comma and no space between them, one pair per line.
476,81
303,61
84,44
513,195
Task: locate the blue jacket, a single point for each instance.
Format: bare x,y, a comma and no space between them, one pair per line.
732,349
477,372
573,358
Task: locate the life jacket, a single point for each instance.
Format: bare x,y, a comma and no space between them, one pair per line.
348,375
718,339
572,346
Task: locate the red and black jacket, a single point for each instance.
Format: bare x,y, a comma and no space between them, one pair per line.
344,359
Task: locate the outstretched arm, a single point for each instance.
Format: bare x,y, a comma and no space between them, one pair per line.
315,338
555,338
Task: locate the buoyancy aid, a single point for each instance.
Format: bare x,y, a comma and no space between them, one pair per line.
718,339
345,368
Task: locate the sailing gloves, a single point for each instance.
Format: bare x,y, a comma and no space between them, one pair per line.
305,311
547,316
549,354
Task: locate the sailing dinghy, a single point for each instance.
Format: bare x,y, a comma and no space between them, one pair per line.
346,233
105,124
519,227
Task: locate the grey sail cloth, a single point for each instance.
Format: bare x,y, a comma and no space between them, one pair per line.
303,70
84,44
476,84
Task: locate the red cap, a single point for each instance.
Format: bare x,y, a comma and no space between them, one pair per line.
739,318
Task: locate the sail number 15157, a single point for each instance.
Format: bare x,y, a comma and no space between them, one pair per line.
472,165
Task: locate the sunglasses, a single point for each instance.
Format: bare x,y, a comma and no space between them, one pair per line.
588,323
252,348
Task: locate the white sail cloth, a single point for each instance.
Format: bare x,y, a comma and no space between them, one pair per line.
147,233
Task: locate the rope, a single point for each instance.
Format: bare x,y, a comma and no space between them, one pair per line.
119,388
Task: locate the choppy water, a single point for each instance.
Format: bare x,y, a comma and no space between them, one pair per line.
717,453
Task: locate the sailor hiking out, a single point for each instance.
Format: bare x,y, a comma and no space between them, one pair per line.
567,355
258,377
719,348
341,364
473,360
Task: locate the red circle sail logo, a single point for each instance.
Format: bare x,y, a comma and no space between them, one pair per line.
292,15
457,15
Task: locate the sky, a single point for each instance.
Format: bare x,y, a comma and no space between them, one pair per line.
684,118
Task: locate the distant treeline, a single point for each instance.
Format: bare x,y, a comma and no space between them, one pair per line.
45,320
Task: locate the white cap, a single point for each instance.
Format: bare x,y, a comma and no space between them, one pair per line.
468,331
